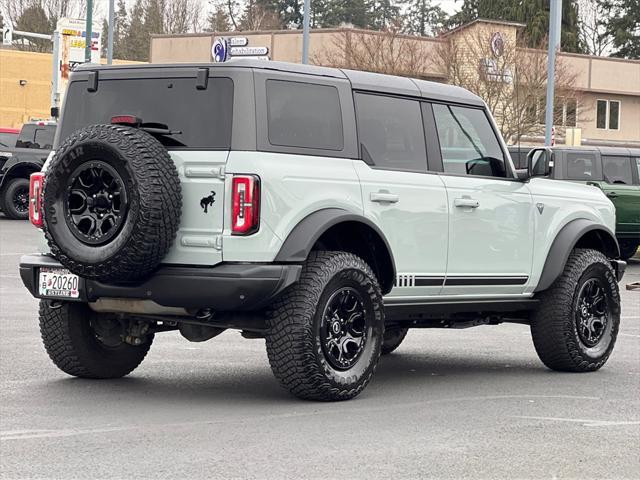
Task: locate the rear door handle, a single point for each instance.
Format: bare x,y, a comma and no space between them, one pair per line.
384,197
466,202
612,195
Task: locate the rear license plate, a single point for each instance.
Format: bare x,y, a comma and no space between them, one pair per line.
59,283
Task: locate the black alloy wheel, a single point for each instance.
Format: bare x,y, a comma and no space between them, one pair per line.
96,203
20,200
592,313
344,328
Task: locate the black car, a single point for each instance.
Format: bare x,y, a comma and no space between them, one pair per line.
20,160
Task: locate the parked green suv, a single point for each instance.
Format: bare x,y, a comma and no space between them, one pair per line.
614,170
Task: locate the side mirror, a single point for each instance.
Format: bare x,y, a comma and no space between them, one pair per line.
539,162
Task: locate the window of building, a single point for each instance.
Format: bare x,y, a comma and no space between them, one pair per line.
304,115
565,111
390,132
608,114
614,115
468,143
582,166
617,170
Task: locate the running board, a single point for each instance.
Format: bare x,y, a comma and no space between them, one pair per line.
401,309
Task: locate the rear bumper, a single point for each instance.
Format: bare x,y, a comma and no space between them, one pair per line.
225,287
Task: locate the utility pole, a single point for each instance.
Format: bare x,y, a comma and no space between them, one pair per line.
555,18
110,34
88,32
305,32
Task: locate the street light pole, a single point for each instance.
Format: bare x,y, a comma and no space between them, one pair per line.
88,32
110,34
305,32
555,18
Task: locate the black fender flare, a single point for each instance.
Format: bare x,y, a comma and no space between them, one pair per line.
305,234
566,240
14,164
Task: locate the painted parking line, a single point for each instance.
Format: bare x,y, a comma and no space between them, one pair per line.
584,422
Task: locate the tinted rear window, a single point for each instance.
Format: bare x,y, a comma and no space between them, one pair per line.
36,136
304,115
202,117
390,132
8,139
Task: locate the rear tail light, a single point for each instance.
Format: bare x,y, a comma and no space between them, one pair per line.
126,120
36,182
245,210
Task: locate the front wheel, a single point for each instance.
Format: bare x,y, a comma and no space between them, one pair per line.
576,325
325,333
15,201
86,344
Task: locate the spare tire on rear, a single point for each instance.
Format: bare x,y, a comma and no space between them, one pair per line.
112,203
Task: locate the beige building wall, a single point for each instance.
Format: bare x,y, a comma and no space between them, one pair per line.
21,103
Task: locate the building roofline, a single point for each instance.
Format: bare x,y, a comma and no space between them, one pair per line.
482,20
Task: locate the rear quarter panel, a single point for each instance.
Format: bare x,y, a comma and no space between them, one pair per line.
292,187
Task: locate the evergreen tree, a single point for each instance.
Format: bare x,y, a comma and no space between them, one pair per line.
424,18
34,19
136,40
533,13
218,20
623,24
104,37
120,30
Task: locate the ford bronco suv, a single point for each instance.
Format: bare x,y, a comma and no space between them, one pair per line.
327,211
615,170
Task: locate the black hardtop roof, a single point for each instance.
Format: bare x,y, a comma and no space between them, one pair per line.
373,82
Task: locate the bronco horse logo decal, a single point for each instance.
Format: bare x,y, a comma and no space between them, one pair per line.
206,202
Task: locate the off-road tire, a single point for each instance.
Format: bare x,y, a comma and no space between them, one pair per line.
554,325
628,248
154,199
74,348
393,337
293,335
7,202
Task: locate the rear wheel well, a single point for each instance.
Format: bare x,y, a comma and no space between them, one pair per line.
366,243
601,241
18,171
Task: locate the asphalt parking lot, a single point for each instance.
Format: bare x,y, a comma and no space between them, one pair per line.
473,403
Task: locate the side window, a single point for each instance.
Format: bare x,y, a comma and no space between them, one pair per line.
617,170
304,115
468,143
390,132
638,167
582,166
